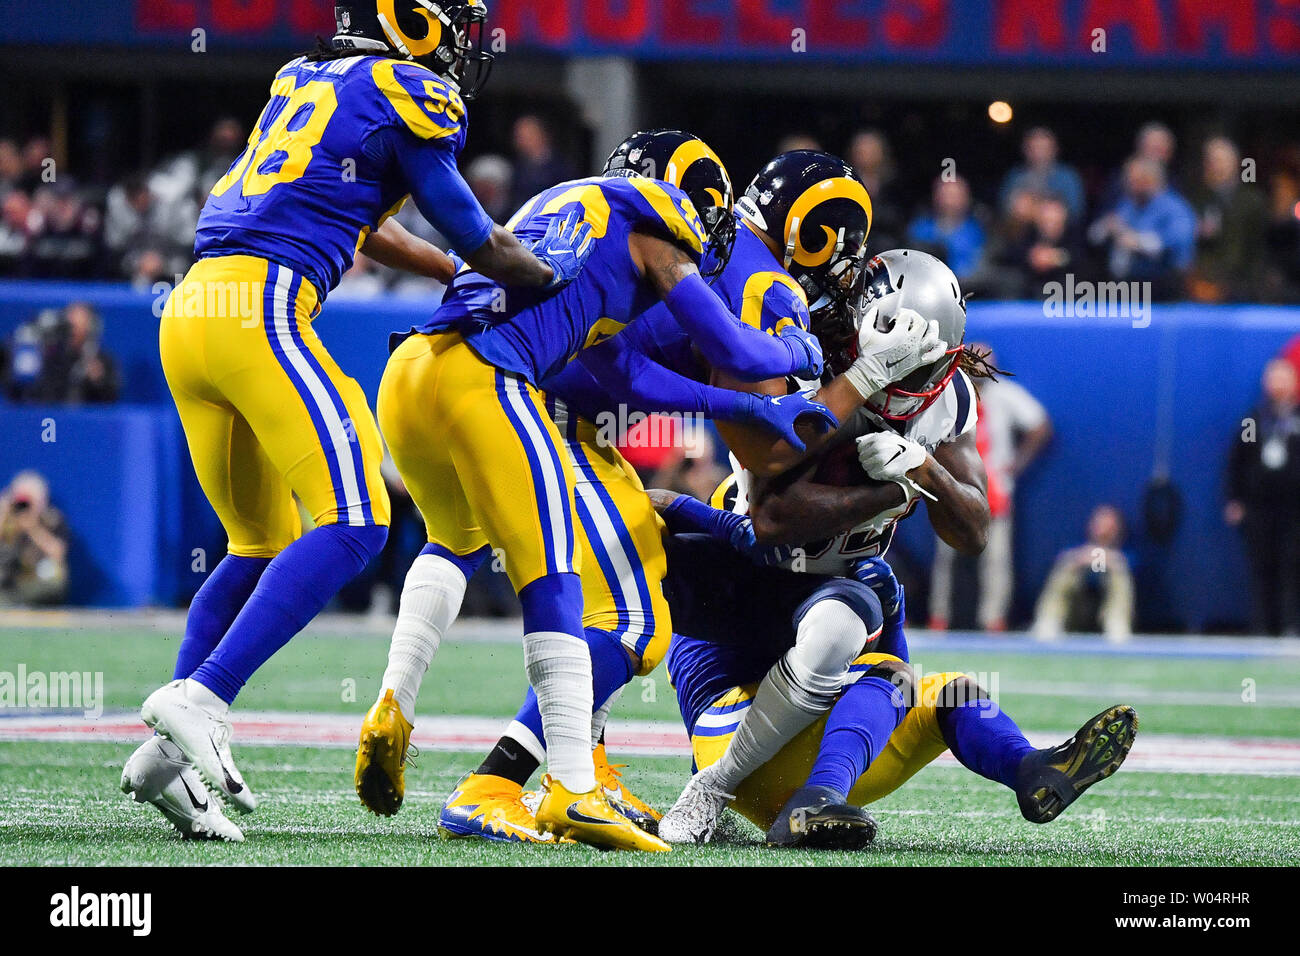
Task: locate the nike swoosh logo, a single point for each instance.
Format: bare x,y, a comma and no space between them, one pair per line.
896,454
577,816
193,799
231,785
894,362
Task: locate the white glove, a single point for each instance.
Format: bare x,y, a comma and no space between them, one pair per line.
885,357
887,456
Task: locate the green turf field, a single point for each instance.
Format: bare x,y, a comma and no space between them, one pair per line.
59,802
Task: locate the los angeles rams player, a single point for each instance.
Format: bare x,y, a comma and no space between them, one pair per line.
741,728
471,436
347,134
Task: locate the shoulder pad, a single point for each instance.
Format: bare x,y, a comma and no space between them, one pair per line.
773,301
666,209
428,106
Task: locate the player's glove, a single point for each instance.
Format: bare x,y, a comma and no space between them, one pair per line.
805,352
876,574
885,357
886,456
565,247
781,413
743,539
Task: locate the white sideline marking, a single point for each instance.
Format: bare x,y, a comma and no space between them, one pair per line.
1153,753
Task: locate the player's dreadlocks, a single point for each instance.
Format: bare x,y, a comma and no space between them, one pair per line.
326,51
974,361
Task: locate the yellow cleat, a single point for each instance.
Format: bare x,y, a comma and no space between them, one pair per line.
623,799
588,818
490,807
381,757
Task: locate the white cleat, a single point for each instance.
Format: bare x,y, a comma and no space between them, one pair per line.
198,722
694,816
158,773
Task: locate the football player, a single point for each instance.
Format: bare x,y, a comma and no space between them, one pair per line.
348,133
803,632
471,435
626,619
884,725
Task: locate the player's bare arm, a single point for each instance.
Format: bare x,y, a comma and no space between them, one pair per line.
503,258
795,507
394,246
959,511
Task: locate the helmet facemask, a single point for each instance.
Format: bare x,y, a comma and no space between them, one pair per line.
471,64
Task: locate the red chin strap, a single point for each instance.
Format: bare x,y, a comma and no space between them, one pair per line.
927,397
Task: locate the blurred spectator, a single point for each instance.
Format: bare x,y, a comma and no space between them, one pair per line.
58,359
871,159
537,166
65,243
1263,490
11,166
489,178
136,218
1090,587
33,544
1047,249
147,267
1012,430
1156,141
37,170
1282,235
16,224
950,227
1150,236
797,140
1230,228
1043,173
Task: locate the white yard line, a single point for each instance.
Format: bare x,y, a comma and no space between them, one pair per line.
1155,753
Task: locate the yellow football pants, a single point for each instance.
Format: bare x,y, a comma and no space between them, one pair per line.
620,540
480,456
266,411
914,743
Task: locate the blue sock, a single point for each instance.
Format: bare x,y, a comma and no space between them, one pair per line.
297,583
611,668
983,738
857,730
892,639
214,608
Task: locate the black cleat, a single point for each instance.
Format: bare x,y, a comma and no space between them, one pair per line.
819,817
1050,780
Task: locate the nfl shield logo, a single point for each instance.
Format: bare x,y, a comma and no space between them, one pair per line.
345,18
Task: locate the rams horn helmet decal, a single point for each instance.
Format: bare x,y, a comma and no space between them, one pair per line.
444,35
687,162
813,206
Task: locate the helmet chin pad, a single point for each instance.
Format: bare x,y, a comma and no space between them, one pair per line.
896,404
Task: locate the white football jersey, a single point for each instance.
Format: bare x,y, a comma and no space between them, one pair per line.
950,416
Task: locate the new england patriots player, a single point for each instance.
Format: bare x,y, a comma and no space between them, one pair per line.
470,433
757,705
349,132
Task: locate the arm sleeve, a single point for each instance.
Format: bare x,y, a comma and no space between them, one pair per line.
625,375
727,343
689,515
440,192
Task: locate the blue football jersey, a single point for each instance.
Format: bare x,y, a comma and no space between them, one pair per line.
339,146
536,332
752,285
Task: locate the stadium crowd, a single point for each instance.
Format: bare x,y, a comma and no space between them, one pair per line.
1201,221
